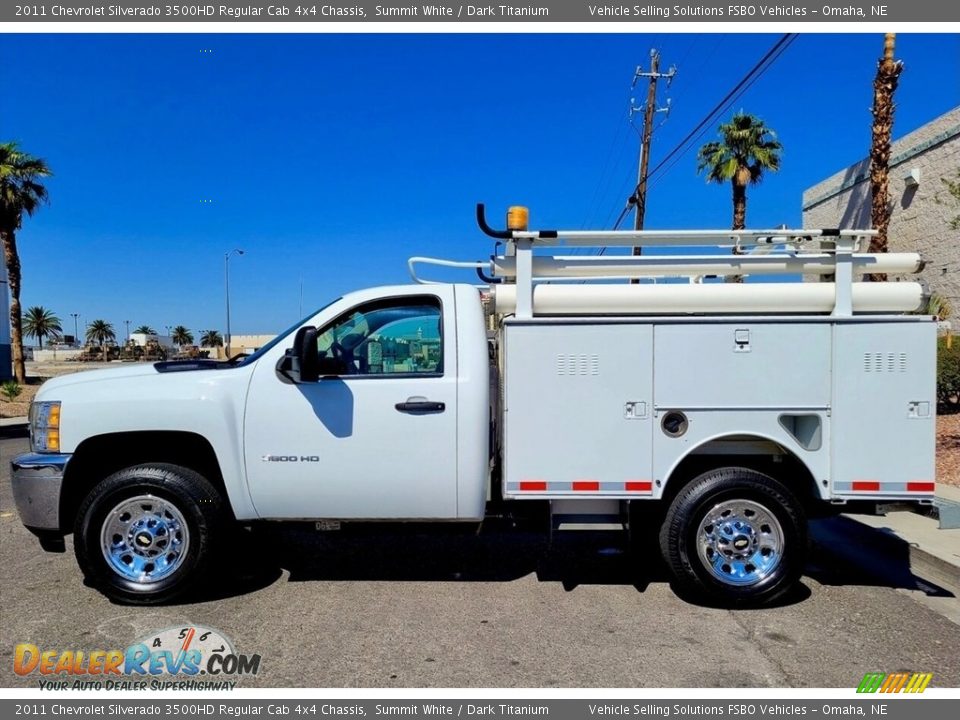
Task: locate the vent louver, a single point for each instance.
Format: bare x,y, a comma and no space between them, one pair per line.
878,362
569,365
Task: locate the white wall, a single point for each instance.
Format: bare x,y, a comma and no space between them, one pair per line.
42,356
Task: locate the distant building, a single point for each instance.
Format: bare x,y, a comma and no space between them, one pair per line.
165,341
6,357
922,209
240,344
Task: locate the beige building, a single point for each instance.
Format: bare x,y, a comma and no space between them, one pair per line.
242,344
922,209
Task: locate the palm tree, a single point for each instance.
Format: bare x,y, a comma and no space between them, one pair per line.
21,192
182,336
100,332
40,323
884,86
145,330
211,338
745,150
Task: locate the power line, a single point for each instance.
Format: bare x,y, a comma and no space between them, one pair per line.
727,107
603,182
721,106
686,53
730,97
694,71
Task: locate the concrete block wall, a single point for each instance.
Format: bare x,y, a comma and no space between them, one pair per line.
921,214
46,356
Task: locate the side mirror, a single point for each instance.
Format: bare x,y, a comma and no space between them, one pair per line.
301,363
307,354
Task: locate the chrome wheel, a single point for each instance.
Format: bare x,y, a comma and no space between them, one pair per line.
144,539
740,542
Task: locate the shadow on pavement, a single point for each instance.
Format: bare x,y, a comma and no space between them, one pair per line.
845,552
406,552
13,432
501,551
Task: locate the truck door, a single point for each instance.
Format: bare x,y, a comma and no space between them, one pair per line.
377,440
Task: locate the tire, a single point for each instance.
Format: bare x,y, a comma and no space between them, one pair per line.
146,534
735,537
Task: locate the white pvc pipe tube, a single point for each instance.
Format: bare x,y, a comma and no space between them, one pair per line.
651,265
709,298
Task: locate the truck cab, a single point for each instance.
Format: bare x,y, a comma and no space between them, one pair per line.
146,464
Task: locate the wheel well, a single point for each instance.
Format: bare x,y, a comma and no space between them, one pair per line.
100,456
760,454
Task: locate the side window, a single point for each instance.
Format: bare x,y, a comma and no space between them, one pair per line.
387,337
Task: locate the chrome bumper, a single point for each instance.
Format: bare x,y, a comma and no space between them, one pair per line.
36,479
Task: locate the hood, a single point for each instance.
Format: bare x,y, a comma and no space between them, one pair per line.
122,372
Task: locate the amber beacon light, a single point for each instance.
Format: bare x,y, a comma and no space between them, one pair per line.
518,217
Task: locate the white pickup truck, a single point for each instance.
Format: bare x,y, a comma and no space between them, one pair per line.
730,411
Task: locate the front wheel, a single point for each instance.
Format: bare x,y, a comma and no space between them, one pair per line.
144,535
735,536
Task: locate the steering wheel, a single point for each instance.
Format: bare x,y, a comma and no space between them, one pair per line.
343,348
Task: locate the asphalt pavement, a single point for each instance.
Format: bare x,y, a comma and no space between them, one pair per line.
401,607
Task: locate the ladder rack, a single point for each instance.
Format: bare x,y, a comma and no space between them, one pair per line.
517,277
653,238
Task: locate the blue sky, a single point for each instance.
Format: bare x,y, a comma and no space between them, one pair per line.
335,157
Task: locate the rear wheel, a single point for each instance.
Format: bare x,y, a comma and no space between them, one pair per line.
735,536
145,534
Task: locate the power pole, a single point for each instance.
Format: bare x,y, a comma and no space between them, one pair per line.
649,110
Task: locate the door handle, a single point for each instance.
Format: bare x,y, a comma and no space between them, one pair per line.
420,406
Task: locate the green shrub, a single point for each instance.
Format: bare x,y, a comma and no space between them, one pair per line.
938,306
948,375
10,390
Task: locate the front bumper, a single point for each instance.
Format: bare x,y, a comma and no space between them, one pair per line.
37,479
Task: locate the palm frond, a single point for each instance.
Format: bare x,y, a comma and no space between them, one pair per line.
21,191
100,331
746,150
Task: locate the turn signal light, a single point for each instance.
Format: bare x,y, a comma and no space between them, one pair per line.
45,427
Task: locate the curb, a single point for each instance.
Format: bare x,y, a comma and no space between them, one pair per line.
946,507
885,552
14,422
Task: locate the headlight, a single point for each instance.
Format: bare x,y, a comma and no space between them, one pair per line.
45,427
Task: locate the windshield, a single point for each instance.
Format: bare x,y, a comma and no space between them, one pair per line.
282,336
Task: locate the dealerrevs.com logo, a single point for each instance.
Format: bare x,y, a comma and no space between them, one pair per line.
178,658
